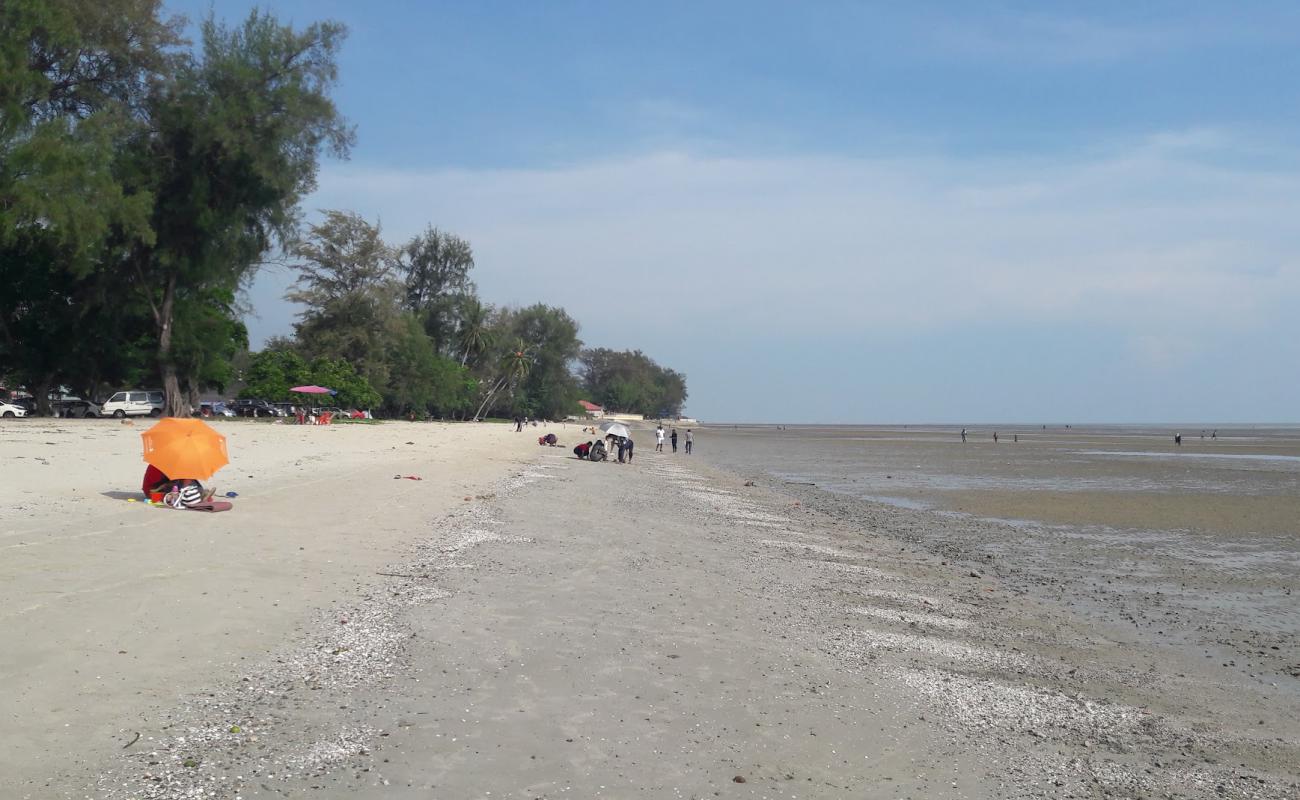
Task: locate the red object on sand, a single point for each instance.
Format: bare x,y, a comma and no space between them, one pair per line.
152,477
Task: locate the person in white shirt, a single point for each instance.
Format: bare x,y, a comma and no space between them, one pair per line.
659,439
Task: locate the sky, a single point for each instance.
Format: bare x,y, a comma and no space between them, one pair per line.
843,212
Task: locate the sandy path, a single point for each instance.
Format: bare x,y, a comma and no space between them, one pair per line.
630,649
110,609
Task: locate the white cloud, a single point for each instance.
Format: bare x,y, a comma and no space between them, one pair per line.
1153,238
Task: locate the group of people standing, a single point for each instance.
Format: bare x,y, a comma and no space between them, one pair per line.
601,449
659,439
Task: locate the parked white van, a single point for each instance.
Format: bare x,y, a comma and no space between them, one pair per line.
136,403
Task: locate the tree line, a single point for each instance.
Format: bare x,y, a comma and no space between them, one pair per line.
144,180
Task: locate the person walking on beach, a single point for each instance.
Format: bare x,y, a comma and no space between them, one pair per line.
622,449
630,445
659,439
674,440
690,438
963,434
1178,439
519,424
995,437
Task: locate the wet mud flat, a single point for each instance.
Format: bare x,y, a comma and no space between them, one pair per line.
1122,663
1193,551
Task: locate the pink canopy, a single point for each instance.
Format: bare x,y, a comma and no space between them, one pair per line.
312,390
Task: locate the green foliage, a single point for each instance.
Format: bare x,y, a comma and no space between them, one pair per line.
631,382
475,334
549,390
436,267
532,349
342,377
73,78
338,257
421,380
349,296
271,373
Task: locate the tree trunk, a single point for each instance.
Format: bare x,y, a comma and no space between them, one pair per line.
173,402
42,395
491,395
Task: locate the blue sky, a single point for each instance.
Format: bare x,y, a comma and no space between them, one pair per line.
856,212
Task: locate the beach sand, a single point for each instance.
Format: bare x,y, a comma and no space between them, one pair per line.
661,629
111,609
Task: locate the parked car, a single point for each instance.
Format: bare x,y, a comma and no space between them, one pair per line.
215,409
134,403
11,410
255,408
78,409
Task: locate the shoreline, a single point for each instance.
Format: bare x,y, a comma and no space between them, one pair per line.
582,629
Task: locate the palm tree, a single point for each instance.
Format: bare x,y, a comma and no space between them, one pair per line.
475,335
515,366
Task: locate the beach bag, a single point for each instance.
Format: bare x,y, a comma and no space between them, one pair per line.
184,495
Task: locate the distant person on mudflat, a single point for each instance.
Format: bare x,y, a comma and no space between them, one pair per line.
674,440
690,439
963,434
995,437
1178,439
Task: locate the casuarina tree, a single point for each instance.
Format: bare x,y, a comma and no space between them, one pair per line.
235,134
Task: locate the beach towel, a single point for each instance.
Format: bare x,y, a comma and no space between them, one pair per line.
211,505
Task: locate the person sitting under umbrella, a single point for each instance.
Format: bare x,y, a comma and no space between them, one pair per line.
188,448
180,493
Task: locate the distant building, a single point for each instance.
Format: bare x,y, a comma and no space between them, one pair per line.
593,411
624,417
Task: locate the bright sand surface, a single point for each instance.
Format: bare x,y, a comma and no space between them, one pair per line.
109,608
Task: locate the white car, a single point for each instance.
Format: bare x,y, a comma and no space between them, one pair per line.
136,403
10,410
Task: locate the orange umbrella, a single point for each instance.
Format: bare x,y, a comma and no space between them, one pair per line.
185,448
